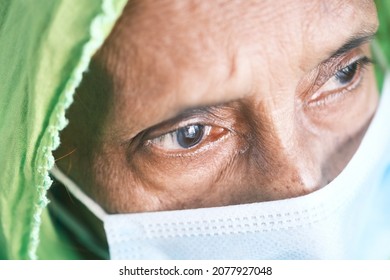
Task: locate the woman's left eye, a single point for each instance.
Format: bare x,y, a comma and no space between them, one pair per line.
187,137
344,80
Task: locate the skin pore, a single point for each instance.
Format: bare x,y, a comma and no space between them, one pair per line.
194,104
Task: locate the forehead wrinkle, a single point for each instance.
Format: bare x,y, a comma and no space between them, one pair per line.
152,89
203,39
149,82
335,23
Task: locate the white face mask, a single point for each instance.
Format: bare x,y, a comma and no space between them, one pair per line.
331,223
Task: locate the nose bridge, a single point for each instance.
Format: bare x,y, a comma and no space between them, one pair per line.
291,168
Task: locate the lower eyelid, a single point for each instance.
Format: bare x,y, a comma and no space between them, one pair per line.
329,98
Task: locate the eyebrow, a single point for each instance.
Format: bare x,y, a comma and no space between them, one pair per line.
352,43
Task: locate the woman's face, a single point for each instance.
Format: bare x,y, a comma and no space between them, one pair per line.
194,104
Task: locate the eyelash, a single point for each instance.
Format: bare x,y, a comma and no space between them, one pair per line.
192,133
322,98
209,135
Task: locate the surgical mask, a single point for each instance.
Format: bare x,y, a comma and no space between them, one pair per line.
331,223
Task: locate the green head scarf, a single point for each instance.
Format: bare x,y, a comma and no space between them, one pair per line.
45,46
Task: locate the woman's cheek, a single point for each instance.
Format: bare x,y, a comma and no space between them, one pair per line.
184,181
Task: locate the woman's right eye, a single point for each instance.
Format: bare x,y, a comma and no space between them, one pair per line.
187,137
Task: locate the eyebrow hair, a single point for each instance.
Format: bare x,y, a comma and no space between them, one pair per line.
352,43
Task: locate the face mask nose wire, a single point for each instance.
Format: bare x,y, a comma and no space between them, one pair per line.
78,193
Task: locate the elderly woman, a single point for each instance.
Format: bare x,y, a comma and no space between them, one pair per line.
204,129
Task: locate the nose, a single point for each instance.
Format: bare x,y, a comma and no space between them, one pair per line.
284,160
288,160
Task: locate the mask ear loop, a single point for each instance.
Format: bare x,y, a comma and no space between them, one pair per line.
78,193
379,55
381,63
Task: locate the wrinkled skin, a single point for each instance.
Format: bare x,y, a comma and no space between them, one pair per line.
282,105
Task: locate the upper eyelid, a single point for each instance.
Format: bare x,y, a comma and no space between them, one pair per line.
182,118
207,116
362,59
341,60
362,62
330,67
354,44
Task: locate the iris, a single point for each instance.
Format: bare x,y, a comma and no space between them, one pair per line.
190,135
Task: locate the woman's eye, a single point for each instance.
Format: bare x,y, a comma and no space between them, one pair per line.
185,137
344,80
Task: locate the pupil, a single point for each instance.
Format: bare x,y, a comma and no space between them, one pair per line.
190,135
346,74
